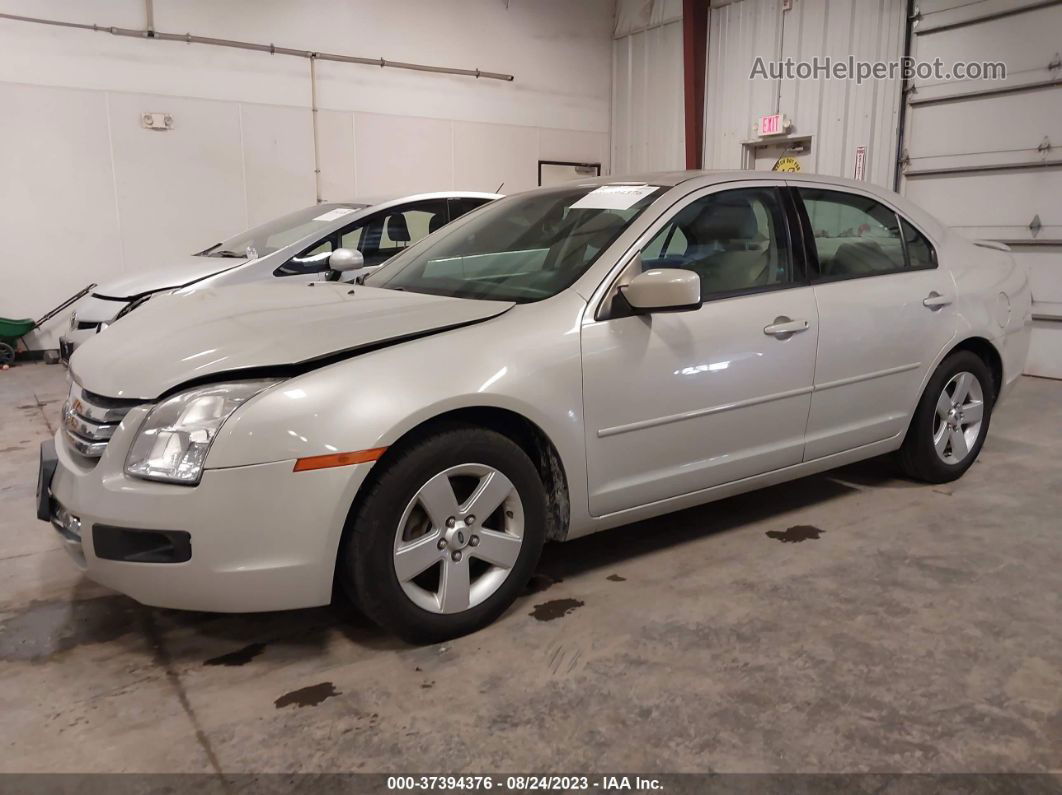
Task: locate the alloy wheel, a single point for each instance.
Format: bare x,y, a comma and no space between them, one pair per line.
458,538
959,413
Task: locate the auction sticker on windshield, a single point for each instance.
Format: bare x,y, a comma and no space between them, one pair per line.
332,215
614,197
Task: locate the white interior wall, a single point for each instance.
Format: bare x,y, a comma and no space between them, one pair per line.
87,194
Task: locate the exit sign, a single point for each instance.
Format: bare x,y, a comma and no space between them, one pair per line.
772,125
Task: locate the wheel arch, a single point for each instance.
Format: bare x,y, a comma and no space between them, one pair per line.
985,350
525,433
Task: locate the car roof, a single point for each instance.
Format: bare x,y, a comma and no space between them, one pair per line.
672,178
703,179
393,198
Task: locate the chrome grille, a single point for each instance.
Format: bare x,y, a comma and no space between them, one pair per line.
89,420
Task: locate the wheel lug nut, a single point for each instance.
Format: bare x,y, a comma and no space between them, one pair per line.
451,522
442,543
470,519
456,556
473,541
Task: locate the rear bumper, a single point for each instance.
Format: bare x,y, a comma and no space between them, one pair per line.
261,537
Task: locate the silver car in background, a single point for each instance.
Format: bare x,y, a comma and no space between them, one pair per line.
302,245
559,362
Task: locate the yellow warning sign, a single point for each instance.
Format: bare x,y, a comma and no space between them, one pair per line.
786,164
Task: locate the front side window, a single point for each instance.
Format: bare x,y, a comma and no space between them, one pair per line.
735,240
854,235
523,248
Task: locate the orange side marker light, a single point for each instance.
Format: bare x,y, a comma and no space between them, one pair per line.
338,459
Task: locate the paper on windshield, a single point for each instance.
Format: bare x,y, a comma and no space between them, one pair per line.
335,214
614,197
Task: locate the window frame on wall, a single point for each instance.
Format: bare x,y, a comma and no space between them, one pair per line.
811,253
541,163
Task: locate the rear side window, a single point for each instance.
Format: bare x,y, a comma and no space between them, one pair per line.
920,252
858,236
459,207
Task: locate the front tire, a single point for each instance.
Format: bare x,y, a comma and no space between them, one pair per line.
446,535
951,421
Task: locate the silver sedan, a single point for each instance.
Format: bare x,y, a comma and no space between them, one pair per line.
557,363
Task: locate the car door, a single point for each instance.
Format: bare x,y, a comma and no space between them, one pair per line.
884,315
682,401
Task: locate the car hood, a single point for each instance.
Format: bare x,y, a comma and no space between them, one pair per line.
178,274
176,339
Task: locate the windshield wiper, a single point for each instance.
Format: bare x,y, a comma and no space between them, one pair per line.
228,254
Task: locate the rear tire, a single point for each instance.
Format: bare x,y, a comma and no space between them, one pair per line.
951,421
419,561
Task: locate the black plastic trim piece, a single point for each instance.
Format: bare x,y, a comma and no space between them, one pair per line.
130,545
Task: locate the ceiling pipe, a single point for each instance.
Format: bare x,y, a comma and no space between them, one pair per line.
272,49
316,133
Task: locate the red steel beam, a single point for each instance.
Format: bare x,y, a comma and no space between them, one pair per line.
694,53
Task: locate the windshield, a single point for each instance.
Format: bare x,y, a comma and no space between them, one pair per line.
523,248
280,232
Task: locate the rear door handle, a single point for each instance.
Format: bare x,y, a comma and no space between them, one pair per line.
783,327
936,301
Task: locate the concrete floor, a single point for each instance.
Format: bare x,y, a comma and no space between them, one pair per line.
845,622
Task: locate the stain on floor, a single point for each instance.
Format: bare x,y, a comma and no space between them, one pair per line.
309,696
796,534
539,583
615,578
44,628
556,608
238,657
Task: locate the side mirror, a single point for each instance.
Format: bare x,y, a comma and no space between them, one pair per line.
343,259
663,290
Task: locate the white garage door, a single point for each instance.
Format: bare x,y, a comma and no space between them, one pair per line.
985,156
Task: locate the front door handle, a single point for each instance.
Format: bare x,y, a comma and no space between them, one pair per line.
783,327
936,301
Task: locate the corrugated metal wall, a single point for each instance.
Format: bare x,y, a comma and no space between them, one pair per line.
839,115
647,114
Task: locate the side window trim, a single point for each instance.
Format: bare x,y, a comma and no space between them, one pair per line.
604,309
800,221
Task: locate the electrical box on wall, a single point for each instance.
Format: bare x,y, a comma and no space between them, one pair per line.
156,121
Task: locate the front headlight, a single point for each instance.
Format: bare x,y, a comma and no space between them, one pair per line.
175,438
